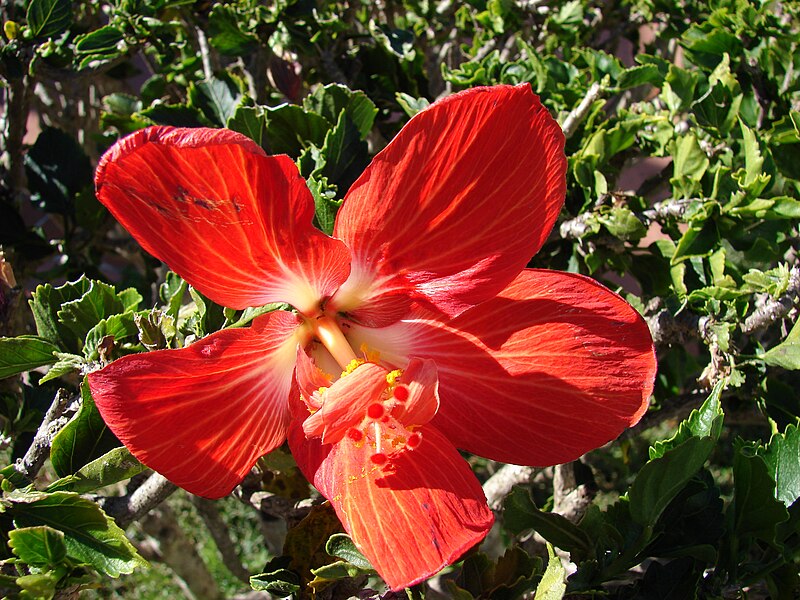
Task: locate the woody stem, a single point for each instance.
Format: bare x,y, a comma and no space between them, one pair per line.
331,336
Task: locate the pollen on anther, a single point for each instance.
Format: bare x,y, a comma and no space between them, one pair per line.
375,411
355,434
413,441
379,458
400,393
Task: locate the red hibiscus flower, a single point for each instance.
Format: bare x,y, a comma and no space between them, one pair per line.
416,328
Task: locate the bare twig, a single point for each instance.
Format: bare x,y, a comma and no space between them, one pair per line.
221,535
205,54
151,493
499,485
777,308
573,490
54,420
578,114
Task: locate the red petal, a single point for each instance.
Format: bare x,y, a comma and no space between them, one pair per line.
233,222
410,518
202,415
555,366
346,403
422,382
309,377
455,206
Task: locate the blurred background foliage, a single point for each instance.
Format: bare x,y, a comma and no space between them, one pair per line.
684,153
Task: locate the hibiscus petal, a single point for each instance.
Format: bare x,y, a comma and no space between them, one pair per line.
202,415
409,518
553,367
346,401
422,382
233,222
454,207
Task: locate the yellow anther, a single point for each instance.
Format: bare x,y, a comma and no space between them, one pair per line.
392,376
352,366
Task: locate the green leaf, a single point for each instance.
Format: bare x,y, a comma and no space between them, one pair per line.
48,18
520,514
325,203
290,129
329,101
24,353
40,546
116,465
689,161
57,169
66,363
177,115
38,586
787,353
410,104
640,75
782,456
119,327
335,570
83,439
623,224
90,536
250,121
341,546
216,98
82,315
553,584
226,35
276,579
703,422
755,508
661,479
100,41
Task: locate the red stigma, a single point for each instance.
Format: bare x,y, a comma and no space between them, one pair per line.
379,458
375,411
413,441
400,393
355,434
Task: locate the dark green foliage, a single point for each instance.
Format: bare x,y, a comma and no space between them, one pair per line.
683,194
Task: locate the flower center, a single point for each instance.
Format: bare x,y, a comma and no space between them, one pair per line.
330,334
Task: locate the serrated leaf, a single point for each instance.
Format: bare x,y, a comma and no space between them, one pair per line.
553,584
216,98
330,100
782,456
640,75
82,315
177,115
249,121
48,18
38,546
325,203
290,130
786,354
83,439
703,422
116,465
38,586
276,579
66,363
226,35
411,105
90,536
661,479
24,353
120,327
756,510
623,224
